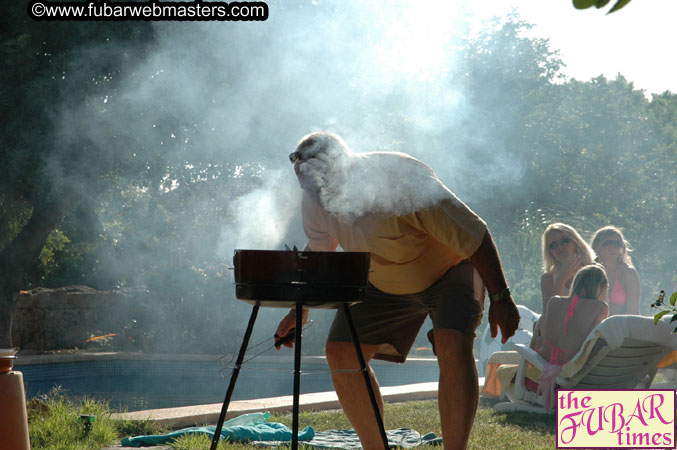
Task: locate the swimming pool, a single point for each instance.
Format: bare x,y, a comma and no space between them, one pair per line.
139,382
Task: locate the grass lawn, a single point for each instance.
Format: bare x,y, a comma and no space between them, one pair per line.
55,425
491,430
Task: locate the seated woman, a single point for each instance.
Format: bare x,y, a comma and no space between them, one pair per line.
566,323
564,253
613,252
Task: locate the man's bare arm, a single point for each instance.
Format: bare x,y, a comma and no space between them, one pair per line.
503,312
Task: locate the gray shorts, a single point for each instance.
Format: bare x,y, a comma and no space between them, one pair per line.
392,321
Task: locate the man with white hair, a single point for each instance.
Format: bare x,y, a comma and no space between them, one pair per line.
430,255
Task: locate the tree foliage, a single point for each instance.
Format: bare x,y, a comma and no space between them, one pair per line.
585,4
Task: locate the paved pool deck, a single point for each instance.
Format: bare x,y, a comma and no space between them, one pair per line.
209,414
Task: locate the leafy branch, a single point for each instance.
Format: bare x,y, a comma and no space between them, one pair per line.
584,4
665,309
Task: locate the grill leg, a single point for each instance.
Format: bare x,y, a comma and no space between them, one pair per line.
297,377
365,373
233,378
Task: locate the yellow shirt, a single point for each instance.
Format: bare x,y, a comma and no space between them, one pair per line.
408,252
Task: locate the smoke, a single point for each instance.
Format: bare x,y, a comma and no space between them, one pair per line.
211,97
263,215
246,92
351,185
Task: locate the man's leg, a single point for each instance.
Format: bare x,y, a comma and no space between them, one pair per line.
352,392
458,389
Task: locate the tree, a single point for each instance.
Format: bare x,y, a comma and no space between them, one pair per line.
585,4
45,171
586,153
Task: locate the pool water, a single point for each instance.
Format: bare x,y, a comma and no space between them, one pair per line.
139,384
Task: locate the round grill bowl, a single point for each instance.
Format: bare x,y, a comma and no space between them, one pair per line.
316,279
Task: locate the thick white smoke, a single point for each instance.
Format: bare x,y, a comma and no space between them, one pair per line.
262,216
357,184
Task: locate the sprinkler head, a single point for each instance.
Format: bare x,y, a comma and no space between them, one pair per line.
87,421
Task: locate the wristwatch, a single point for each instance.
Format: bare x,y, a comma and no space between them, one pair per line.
503,295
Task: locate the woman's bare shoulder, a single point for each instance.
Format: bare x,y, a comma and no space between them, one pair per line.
628,270
628,273
557,301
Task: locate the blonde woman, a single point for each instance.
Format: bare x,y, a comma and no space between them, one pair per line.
564,253
613,252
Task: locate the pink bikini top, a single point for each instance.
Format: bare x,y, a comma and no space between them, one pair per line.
617,295
556,351
546,387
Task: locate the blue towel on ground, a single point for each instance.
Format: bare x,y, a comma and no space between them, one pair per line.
246,428
404,438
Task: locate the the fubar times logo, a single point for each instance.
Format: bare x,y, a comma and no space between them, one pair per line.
616,419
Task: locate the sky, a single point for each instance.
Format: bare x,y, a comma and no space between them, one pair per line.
637,41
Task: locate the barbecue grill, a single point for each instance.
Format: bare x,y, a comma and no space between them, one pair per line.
280,279
294,279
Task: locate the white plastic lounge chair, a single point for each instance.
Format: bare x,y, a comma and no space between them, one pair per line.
488,345
618,354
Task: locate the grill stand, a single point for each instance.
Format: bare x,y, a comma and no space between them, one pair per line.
297,377
233,377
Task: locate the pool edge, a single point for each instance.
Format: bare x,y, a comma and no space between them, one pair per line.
208,414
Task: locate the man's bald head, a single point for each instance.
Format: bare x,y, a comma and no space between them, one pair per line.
350,185
319,158
320,144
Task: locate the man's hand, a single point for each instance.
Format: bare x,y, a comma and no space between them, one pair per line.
287,325
503,313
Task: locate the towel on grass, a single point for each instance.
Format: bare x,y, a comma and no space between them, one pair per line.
245,428
347,439
254,428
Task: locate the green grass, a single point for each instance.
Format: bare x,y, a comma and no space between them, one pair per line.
55,425
491,429
516,430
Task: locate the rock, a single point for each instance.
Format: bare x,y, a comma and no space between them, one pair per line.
50,319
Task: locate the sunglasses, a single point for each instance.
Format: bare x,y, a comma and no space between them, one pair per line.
613,243
297,156
293,157
564,241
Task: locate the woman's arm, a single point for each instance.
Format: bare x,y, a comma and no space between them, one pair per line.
540,328
629,279
603,313
547,290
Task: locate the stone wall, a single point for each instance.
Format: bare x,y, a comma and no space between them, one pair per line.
64,318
